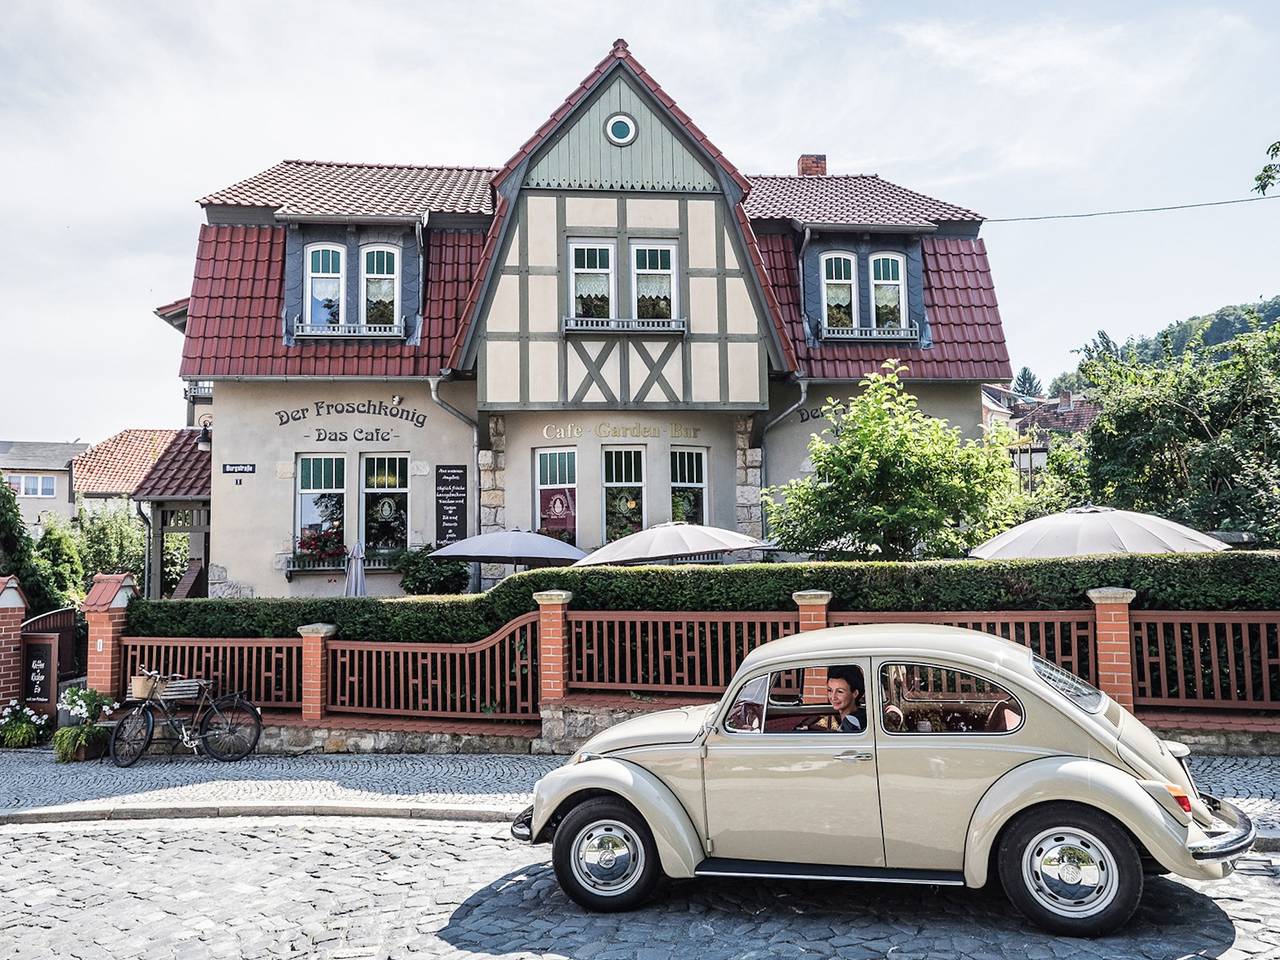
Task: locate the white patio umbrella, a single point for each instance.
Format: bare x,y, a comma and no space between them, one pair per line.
355,586
512,546
667,541
1091,529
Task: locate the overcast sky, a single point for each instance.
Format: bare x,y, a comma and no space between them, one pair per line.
115,117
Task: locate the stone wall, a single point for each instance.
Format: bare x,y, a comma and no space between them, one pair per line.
492,466
750,518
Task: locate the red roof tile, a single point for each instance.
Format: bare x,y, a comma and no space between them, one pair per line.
181,472
316,187
1076,416
960,304
234,326
117,465
853,200
104,590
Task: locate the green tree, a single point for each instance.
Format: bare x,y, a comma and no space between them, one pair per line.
57,547
111,539
889,482
18,557
1194,437
1270,173
1063,481
1027,383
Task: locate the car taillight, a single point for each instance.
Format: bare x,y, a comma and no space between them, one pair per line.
1180,795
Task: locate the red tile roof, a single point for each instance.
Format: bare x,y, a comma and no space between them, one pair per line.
960,302
170,309
316,187
864,201
1050,415
181,472
104,590
117,465
234,325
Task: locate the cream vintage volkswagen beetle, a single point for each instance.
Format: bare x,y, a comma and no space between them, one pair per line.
954,755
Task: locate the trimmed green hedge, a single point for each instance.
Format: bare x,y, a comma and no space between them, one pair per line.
1222,581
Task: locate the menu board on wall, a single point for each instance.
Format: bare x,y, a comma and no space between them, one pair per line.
40,671
451,503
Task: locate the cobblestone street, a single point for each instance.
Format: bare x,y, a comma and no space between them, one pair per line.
346,889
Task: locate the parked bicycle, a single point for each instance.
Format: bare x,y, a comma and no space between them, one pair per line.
225,727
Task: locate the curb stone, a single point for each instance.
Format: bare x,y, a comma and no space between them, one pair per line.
82,812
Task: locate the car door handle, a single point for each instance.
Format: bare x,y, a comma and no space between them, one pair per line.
854,755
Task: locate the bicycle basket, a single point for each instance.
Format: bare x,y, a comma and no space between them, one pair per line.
141,688
181,689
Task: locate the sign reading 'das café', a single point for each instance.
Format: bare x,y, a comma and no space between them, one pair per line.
373,431
451,503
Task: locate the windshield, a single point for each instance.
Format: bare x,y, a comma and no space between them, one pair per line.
1084,695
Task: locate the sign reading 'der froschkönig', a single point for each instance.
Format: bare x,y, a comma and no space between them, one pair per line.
373,431
451,503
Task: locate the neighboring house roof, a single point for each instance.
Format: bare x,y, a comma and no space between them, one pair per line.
35,455
855,201
117,465
960,301
234,327
319,188
174,314
1061,415
180,473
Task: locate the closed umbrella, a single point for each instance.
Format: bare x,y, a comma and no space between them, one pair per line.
1091,529
355,587
512,546
668,541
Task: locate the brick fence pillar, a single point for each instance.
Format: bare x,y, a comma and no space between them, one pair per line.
315,668
553,643
813,616
13,610
104,609
1115,642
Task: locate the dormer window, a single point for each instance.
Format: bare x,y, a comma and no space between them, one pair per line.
839,291
325,286
889,289
381,283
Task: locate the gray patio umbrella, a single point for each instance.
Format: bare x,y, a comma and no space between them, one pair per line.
669,541
1091,529
355,587
512,546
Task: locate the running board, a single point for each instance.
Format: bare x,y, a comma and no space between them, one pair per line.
776,870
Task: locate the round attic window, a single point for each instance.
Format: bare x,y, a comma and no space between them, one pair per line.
620,129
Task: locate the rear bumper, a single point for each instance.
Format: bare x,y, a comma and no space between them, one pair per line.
1231,844
522,825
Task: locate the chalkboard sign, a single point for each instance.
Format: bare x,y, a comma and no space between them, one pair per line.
451,503
40,671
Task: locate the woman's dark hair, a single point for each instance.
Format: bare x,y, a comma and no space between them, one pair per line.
850,675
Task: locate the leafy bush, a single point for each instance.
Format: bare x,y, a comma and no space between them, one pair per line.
67,740
58,548
18,557
20,726
111,538
420,574
1222,581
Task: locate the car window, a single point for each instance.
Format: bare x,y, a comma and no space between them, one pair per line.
747,713
923,698
821,700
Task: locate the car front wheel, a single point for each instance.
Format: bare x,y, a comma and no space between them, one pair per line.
1071,869
604,856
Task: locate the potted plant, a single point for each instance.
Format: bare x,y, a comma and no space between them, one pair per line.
20,726
322,547
86,740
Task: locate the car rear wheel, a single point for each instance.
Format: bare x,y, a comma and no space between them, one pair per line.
604,856
1071,869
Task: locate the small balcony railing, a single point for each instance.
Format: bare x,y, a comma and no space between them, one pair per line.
871,333
201,391
376,562
377,331
674,327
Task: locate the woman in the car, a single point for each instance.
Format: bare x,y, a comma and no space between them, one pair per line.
846,694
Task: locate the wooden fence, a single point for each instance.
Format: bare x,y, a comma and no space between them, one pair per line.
1215,660
269,671
1064,636
672,652
496,677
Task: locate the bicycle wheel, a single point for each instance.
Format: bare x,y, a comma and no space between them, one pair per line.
230,730
132,736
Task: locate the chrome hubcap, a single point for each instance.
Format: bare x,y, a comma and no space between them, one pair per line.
607,857
1070,872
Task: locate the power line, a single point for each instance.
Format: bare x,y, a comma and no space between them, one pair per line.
1116,213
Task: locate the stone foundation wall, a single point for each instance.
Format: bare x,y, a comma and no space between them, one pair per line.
492,467
279,740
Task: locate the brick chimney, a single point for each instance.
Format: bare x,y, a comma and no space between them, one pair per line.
812,165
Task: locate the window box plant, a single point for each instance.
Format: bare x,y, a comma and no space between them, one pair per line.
87,739
20,726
